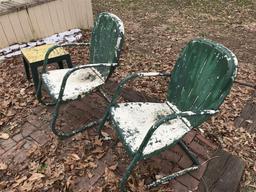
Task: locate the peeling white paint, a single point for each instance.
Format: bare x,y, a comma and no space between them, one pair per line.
78,84
135,119
121,25
151,74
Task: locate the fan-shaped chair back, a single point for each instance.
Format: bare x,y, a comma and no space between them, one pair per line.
106,42
202,77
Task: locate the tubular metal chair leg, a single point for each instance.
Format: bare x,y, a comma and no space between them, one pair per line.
128,172
189,153
103,120
167,178
172,176
105,95
62,134
39,95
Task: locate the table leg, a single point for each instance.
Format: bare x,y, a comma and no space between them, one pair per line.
26,66
61,66
34,75
69,62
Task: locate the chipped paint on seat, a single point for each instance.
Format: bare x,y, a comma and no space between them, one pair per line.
144,115
79,83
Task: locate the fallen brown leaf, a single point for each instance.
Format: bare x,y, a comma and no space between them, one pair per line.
75,157
3,166
36,176
4,136
113,167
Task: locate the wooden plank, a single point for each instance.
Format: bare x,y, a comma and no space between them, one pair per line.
82,14
26,25
8,29
3,40
67,16
72,12
54,17
81,11
78,17
32,15
17,28
89,14
223,173
60,15
247,118
45,20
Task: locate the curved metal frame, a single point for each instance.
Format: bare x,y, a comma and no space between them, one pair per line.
59,101
117,49
139,154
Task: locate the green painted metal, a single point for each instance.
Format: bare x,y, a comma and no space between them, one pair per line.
105,48
202,77
200,81
107,41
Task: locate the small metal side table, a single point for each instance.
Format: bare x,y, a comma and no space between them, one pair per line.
34,57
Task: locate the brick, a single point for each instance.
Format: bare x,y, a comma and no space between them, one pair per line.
188,138
198,149
198,174
17,137
171,156
185,161
1,151
8,155
37,110
81,183
29,143
35,120
27,129
178,150
7,144
40,137
190,182
178,187
20,156
207,142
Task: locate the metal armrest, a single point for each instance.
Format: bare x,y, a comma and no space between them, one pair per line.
168,118
46,58
120,88
133,76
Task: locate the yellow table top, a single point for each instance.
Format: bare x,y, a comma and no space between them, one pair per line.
37,54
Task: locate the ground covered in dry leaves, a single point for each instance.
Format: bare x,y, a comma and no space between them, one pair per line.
155,33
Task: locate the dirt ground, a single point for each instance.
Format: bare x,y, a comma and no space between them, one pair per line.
155,31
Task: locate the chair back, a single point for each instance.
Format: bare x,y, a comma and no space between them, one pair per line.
106,42
202,78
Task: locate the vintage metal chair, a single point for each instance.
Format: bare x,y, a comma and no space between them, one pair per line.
201,79
69,84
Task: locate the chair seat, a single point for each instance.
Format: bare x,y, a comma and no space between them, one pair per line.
133,120
78,84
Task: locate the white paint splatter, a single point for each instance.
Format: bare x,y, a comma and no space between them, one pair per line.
135,119
78,84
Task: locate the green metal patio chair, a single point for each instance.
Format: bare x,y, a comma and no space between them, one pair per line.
201,79
69,84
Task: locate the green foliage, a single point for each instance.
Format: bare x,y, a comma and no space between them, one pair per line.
42,167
